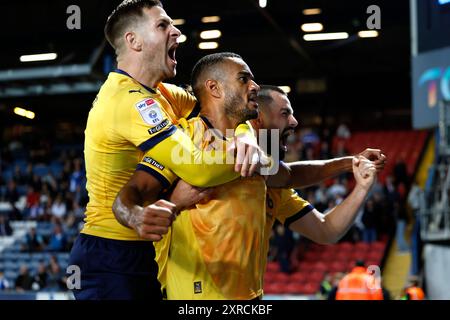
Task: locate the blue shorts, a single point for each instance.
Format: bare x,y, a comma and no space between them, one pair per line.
115,269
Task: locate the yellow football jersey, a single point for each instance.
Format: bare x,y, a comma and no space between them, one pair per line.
126,120
214,250
199,162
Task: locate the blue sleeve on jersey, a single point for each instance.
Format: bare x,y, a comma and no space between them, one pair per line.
153,141
298,215
164,182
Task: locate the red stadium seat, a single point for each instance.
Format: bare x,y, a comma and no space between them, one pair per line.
358,255
378,246
345,246
295,288
312,256
375,255
338,267
316,276
362,246
311,287
273,267
269,277
298,277
320,267
305,266
274,288
281,277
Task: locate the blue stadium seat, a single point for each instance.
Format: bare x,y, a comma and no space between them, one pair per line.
11,276
24,257
7,174
10,256
22,190
56,168
37,256
2,191
22,163
40,170
10,265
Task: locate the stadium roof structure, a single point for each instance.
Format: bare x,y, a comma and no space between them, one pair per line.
372,70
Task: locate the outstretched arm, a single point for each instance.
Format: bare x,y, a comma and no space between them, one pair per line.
301,174
330,227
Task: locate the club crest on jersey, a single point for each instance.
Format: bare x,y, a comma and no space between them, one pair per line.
197,287
150,111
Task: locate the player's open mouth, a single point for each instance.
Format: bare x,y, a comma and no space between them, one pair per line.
252,100
284,138
172,51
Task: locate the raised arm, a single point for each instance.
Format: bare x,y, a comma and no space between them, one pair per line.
330,227
301,174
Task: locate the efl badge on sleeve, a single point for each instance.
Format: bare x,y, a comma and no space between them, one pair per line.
150,111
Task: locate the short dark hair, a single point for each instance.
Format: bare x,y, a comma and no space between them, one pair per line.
264,97
360,263
123,15
206,64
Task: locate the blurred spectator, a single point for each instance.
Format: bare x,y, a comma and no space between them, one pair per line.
359,285
343,131
33,241
11,195
325,152
341,150
24,280
78,211
402,220
76,178
5,228
58,240
284,243
59,207
56,276
413,291
36,183
309,138
326,286
401,173
369,219
19,177
28,174
32,203
45,196
338,189
416,199
50,183
15,146
40,279
386,293
320,197
334,285
4,283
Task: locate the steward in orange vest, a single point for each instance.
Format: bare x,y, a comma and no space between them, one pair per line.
359,285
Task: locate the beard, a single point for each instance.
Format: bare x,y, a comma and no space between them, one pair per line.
232,103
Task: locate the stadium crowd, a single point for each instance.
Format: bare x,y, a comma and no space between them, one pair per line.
44,181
